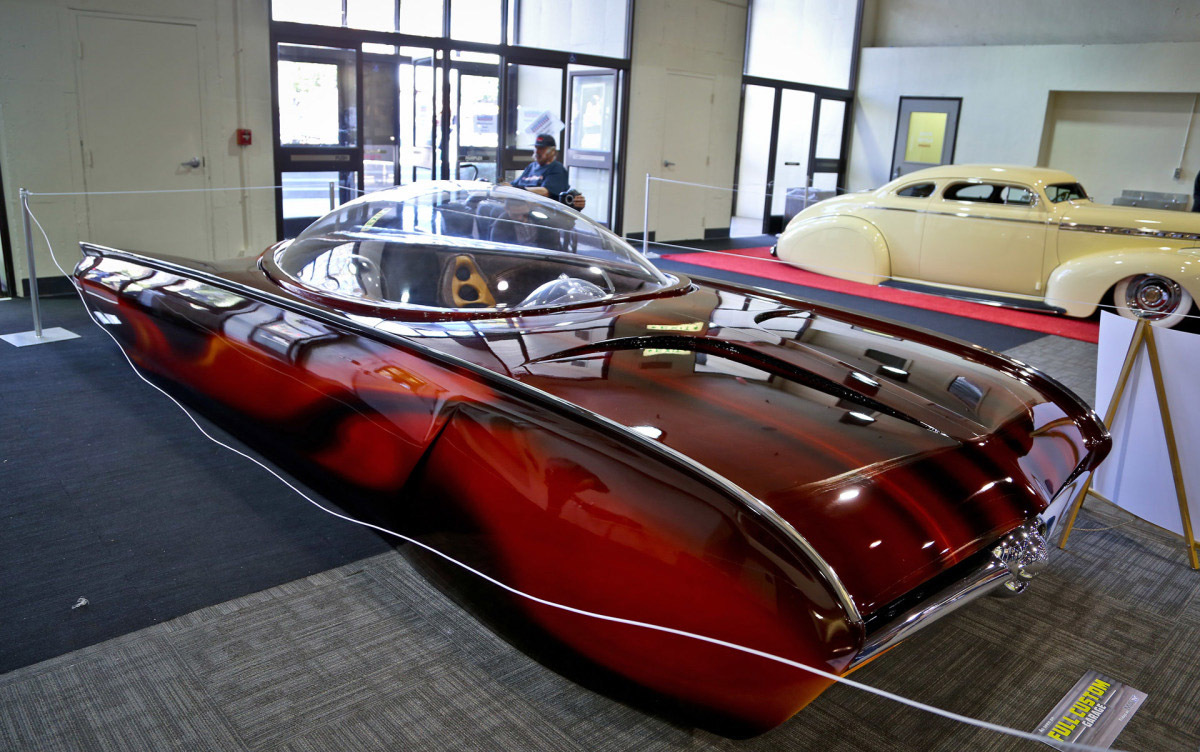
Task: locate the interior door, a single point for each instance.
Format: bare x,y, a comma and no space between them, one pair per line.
680,214
140,112
926,131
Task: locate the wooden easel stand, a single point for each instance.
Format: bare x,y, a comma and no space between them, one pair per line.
1144,334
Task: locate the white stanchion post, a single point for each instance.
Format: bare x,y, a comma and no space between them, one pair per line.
37,336
646,220
35,304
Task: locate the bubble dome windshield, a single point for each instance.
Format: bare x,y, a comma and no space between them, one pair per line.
462,245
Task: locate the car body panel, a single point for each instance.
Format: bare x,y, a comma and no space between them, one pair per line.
1050,252
711,459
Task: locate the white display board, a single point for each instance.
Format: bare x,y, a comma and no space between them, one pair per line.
1137,474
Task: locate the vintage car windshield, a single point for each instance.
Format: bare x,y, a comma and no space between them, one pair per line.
464,245
1060,192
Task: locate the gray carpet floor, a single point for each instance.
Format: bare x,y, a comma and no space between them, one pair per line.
368,656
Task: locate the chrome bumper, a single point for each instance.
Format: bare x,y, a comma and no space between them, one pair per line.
1014,560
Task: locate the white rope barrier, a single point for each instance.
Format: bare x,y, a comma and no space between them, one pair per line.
967,720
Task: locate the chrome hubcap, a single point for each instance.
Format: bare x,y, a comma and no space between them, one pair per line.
1153,297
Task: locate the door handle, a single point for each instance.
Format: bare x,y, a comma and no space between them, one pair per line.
668,163
193,162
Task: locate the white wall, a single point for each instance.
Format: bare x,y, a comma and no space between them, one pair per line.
955,23
1006,94
704,37
39,123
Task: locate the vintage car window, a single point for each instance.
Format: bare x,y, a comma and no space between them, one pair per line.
988,192
1018,195
916,190
1060,192
461,245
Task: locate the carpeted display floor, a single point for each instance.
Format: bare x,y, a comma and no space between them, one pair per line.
759,263
108,493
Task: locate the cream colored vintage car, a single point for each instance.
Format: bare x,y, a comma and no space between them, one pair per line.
1022,236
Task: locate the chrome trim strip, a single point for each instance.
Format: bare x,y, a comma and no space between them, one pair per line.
1134,231
960,216
1014,560
721,482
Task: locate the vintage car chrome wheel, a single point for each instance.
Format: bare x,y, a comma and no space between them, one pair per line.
1161,301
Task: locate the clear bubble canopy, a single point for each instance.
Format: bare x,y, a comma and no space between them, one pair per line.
465,245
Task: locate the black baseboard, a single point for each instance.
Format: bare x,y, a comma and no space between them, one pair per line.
713,233
50,287
638,236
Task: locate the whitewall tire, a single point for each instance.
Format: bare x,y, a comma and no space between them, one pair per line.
1162,301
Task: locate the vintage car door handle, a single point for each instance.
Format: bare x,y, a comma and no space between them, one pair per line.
668,163
193,162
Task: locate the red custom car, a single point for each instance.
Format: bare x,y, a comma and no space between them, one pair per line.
498,377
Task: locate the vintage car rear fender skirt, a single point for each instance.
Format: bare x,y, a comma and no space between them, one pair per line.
839,245
1079,285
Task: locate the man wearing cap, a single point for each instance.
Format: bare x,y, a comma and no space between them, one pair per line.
545,175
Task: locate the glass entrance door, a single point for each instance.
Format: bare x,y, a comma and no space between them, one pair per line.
591,135
319,158
475,118
791,155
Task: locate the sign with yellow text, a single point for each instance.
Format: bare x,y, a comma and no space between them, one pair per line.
1094,712
926,135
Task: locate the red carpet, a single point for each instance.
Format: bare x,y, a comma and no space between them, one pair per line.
757,262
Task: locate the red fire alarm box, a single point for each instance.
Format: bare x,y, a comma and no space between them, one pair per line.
243,136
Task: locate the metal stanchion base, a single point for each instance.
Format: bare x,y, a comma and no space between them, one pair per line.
53,334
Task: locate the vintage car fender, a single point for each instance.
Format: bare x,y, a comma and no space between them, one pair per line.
1080,284
839,245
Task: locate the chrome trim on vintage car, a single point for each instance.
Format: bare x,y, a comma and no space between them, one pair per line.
960,215
307,309
1141,232
1013,561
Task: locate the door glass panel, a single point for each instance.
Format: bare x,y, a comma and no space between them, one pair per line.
593,183
323,12
376,15
795,133
811,42
534,106
316,96
381,94
306,196
423,17
829,130
824,182
595,28
420,103
474,127
752,167
476,21
593,109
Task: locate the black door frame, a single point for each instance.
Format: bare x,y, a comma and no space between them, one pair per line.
8,285
283,32
772,224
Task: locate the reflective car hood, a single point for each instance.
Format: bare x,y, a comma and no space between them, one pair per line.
896,453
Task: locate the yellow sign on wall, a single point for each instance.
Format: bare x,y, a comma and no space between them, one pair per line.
926,135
